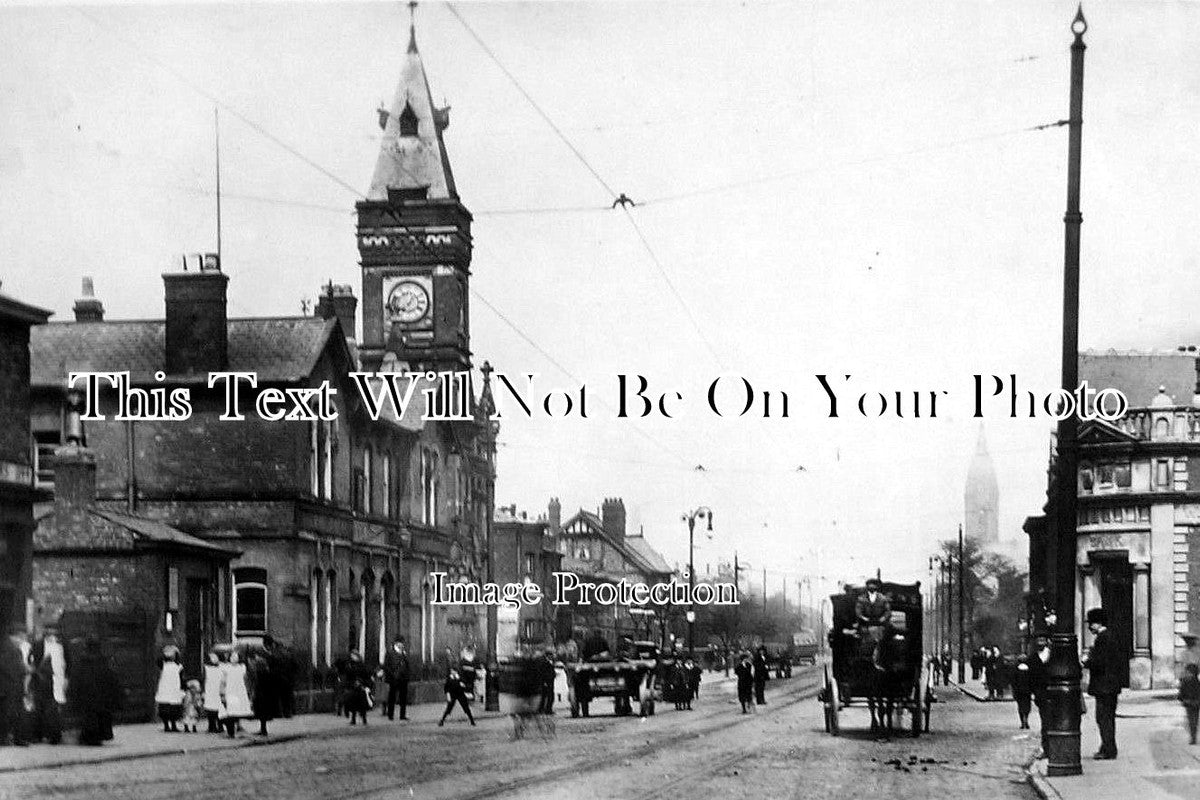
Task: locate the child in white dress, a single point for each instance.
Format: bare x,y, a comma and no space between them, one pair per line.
169,694
235,694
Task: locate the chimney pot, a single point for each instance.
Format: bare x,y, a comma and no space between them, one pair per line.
87,307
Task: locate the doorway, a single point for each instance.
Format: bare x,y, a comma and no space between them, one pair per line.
1116,597
197,624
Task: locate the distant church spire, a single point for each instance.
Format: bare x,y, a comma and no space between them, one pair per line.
981,496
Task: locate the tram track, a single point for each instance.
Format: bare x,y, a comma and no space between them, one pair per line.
806,690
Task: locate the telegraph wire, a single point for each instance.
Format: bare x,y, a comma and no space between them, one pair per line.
492,55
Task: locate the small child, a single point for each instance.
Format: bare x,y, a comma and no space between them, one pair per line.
1189,695
193,706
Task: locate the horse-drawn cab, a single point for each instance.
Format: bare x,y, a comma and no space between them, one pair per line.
881,664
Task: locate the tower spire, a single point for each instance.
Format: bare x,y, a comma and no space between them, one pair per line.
412,26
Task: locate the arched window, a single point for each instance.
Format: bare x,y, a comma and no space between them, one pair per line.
429,486
408,121
249,602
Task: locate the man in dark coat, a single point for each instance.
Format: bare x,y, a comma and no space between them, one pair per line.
546,675
745,682
282,661
761,676
1023,690
1104,681
873,613
93,693
264,677
395,675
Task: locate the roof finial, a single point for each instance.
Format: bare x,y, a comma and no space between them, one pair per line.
412,26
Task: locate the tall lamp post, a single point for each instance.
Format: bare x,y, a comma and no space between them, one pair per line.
690,517
1063,671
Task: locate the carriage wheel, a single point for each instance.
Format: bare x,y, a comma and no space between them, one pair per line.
920,706
831,704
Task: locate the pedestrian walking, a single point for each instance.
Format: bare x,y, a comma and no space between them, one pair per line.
169,693
546,676
359,697
213,673
1104,682
456,692
235,694
1037,683
1023,690
761,676
677,686
695,674
395,674
263,674
1189,696
283,669
49,687
745,682
93,693
947,666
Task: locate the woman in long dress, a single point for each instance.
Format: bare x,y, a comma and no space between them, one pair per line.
169,694
235,694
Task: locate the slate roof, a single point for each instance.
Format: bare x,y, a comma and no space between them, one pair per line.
1138,374
279,349
638,544
152,531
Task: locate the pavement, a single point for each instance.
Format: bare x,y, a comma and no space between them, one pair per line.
148,740
1155,761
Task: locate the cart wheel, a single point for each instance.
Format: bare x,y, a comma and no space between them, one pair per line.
831,704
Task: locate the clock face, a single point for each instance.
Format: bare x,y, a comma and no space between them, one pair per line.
408,302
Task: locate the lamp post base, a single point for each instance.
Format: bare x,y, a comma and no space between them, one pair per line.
1062,706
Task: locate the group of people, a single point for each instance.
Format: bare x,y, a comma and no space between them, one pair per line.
997,673
682,684
752,673
38,684
250,683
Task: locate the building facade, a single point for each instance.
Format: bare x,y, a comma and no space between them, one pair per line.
1138,528
339,522
599,549
523,550
17,486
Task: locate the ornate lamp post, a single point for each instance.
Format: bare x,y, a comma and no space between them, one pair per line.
1063,671
703,512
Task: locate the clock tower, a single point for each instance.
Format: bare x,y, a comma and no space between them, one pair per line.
414,239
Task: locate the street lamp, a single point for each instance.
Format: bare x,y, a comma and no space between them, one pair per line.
703,512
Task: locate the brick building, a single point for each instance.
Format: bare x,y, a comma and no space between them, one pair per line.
17,490
133,581
524,550
599,549
340,522
1138,526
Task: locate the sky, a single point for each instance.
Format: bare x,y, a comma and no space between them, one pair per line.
821,187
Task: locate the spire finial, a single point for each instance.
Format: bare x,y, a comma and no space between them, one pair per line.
412,26
1079,25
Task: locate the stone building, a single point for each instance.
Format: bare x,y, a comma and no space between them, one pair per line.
1137,551
524,550
599,549
17,486
339,522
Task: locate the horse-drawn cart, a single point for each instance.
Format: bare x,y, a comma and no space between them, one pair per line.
889,676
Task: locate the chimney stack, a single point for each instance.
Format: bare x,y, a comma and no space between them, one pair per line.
554,519
88,308
197,323
338,300
74,474
612,517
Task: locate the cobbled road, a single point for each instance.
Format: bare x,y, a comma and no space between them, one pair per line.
713,751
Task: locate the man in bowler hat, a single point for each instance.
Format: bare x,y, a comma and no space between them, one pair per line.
1104,681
